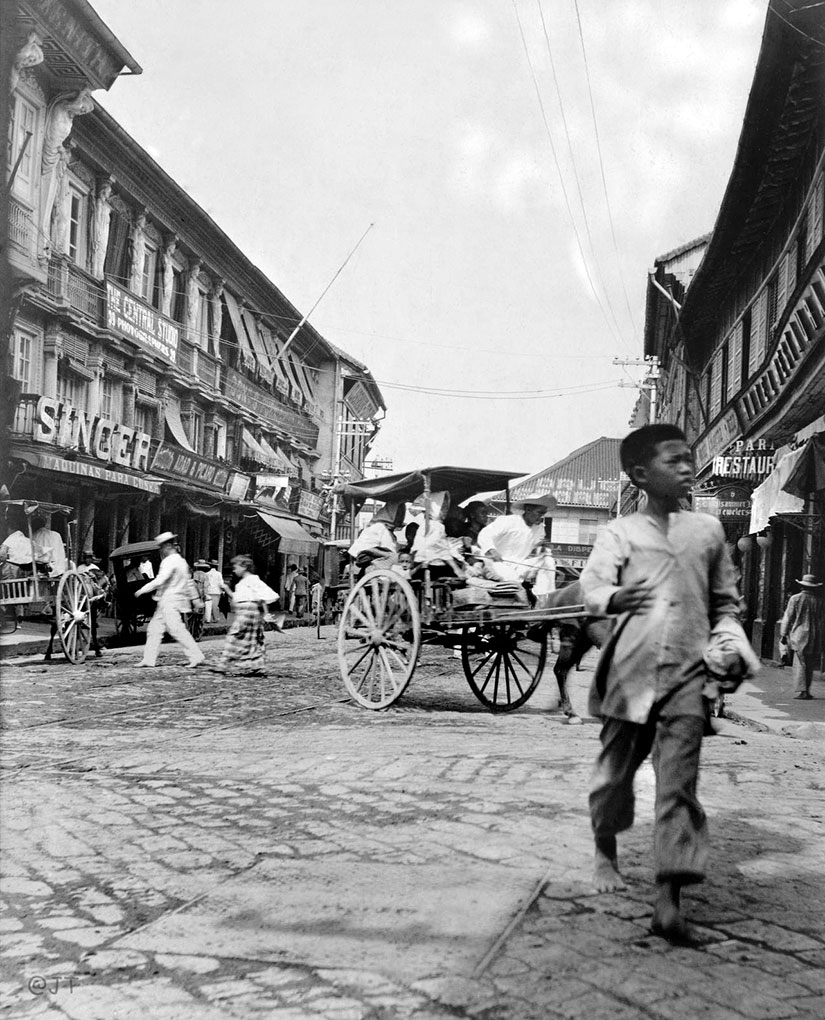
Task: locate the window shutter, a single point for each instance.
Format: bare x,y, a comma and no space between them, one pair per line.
814,220
759,329
715,386
781,289
734,361
115,263
790,272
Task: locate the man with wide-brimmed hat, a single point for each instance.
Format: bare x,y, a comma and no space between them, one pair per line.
173,595
214,586
509,542
803,630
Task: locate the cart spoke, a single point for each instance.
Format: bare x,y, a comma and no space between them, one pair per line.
490,671
351,651
484,662
512,668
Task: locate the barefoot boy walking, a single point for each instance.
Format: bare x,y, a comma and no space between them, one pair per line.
665,577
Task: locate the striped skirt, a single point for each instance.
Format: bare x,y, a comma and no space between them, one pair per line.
245,640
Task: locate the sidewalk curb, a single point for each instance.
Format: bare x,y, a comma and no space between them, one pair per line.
794,730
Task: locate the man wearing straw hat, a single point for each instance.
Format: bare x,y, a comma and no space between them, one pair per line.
172,588
508,542
803,629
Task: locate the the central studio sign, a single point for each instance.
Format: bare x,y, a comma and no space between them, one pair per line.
60,424
137,321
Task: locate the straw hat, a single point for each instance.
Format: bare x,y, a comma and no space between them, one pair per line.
164,537
809,581
547,503
202,563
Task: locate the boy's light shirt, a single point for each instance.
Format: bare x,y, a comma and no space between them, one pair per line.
657,654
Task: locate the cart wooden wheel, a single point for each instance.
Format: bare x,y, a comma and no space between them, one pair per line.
74,617
379,639
503,663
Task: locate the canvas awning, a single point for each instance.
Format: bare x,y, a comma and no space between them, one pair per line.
247,353
769,499
175,426
258,452
294,538
278,458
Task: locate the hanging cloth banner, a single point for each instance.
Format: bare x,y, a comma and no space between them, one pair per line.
175,426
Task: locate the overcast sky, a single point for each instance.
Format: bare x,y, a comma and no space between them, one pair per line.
297,123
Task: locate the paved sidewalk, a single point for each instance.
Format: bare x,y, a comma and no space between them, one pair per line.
184,847
767,702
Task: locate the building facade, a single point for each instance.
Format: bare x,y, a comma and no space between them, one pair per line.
743,354
587,483
158,382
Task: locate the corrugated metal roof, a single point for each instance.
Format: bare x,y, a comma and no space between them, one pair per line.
589,465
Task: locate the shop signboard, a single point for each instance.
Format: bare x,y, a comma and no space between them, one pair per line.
244,392
359,401
720,437
191,467
568,554
57,423
85,469
728,502
238,485
307,504
751,458
135,320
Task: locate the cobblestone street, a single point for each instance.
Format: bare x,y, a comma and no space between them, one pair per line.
179,845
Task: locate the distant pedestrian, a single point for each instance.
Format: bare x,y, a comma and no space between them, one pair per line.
803,631
289,586
245,641
214,587
300,586
172,588
666,578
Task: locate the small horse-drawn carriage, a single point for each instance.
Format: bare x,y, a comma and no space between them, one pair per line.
132,611
386,617
65,598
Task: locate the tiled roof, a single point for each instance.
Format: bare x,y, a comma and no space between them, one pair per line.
594,464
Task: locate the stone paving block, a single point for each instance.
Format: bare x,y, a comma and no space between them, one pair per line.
157,999
781,939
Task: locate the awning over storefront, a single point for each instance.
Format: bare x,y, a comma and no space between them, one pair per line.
258,452
770,499
173,421
247,353
286,465
294,538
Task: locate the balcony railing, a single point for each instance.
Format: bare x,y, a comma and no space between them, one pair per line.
185,356
24,415
71,285
208,370
21,227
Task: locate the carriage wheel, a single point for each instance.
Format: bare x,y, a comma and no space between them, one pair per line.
503,663
379,639
73,616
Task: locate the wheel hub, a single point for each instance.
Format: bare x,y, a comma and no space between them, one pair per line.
377,637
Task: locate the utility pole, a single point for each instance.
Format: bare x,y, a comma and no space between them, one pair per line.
650,381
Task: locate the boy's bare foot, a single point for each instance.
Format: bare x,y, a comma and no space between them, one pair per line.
667,920
606,877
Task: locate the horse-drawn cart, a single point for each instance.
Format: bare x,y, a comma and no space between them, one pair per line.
386,617
64,596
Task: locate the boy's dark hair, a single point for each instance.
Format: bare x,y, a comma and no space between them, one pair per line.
639,448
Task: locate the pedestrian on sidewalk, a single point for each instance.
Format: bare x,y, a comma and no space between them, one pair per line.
803,631
665,577
245,641
172,588
214,587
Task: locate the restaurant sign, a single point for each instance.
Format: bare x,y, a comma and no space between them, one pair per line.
750,458
244,392
139,322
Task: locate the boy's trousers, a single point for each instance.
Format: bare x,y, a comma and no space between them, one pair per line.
680,833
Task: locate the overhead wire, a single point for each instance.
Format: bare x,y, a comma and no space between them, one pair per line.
574,165
601,166
501,395
558,169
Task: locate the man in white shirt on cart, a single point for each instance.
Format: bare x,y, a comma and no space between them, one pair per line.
512,544
172,587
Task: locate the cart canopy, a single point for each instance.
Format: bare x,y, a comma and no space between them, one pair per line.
133,549
460,482
32,506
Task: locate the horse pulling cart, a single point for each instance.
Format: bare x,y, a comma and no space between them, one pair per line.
66,596
386,618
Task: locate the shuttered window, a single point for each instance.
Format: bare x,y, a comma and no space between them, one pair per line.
117,249
814,220
734,361
759,331
715,387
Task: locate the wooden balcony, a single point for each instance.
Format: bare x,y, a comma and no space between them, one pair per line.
71,286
